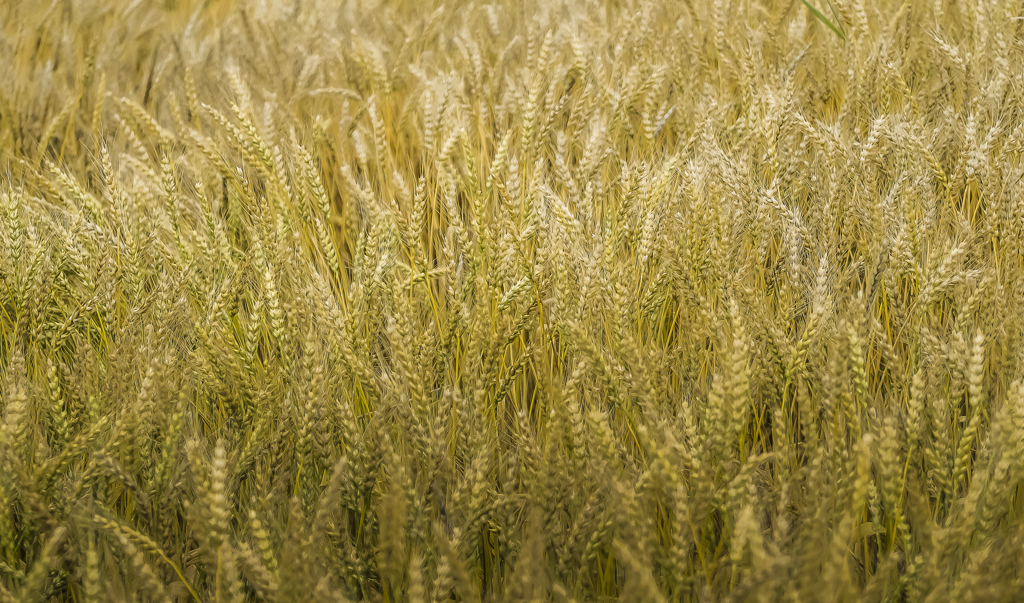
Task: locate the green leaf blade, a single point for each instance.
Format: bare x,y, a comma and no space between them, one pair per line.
817,13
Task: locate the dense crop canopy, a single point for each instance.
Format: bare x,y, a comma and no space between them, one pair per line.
660,300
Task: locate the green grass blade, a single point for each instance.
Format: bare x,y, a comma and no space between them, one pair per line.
824,19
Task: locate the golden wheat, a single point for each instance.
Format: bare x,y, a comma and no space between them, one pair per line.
398,301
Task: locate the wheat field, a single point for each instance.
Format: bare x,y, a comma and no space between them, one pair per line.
537,300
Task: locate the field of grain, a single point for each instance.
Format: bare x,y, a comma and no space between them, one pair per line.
568,300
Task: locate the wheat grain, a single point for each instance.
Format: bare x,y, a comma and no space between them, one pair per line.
662,301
